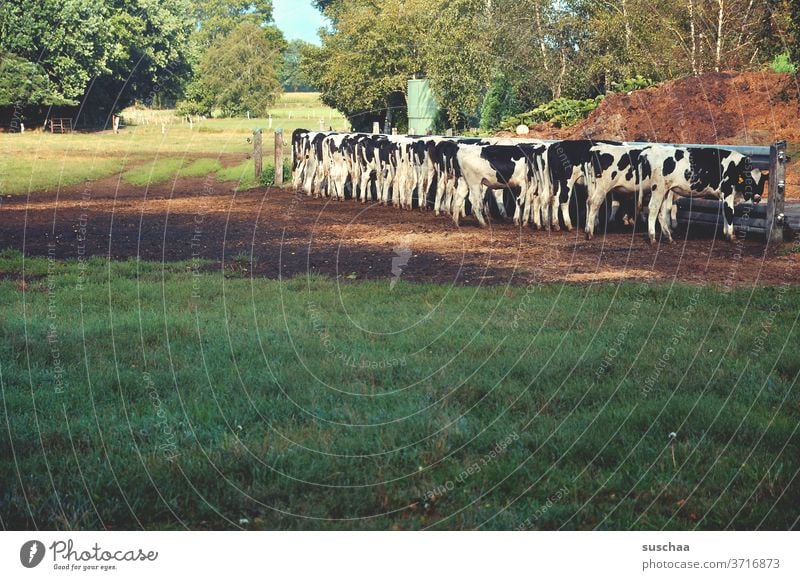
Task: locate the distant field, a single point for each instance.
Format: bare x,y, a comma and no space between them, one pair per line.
39,161
161,396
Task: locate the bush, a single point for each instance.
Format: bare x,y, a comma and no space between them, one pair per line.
633,84
500,102
783,64
268,173
562,112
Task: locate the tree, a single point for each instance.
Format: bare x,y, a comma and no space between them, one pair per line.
364,63
240,71
293,79
456,60
68,40
500,101
219,17
102,53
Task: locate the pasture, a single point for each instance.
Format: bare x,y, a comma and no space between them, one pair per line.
184,348
38,161
163,396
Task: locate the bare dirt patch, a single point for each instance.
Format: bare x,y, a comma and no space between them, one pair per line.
289,234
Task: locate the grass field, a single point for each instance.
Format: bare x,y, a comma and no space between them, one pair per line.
161,396
39,161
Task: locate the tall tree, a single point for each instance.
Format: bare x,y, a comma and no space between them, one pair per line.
364,63
292,78
101,53
240,71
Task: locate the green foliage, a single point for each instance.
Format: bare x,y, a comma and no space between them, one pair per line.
216,18
499,103
24,82
782,63
239,71
102,53
268,173
363,65
292,77
632,84
562,112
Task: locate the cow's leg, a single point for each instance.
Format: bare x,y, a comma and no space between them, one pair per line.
592,209
476,197
441,185
658,194
459,197
727,210
564,195
536,209
664,219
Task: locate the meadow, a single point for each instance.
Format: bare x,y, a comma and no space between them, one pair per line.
168,396
39,161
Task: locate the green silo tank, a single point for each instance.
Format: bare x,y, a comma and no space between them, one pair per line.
422,107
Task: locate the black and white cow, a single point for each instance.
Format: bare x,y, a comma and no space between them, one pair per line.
565,162
299,155
696,172
611,170
497,167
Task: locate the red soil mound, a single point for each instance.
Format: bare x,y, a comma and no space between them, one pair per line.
755,108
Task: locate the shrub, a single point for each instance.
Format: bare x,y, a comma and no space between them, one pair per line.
632,84
500,102
783,64
268,173
562,112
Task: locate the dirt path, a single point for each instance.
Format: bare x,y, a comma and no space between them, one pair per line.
291,234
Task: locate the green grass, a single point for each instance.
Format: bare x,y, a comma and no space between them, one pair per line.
158,171
19,175
200,168
166,397
39,161
243,173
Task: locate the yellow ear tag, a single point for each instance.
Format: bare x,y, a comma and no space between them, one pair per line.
741,179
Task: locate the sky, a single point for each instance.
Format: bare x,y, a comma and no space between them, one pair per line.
298,19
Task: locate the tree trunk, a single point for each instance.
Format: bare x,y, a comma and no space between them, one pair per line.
627,26
694,40
540,32
720,17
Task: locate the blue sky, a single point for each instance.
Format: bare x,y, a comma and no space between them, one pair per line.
298,19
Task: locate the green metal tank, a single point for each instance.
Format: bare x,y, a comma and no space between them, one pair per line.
422,107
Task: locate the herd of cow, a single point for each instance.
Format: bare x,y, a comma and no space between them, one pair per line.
536,181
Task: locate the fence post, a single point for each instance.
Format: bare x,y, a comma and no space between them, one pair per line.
278,157
257,155
777,188
376,128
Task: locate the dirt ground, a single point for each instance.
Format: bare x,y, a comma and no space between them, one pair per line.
290,234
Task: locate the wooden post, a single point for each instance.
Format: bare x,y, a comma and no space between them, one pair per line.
376,128
777,188
257,153
394,130
115,124
278,157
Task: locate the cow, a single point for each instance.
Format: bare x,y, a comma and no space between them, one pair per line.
696,172
565,163
299,155
497,167
611,169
